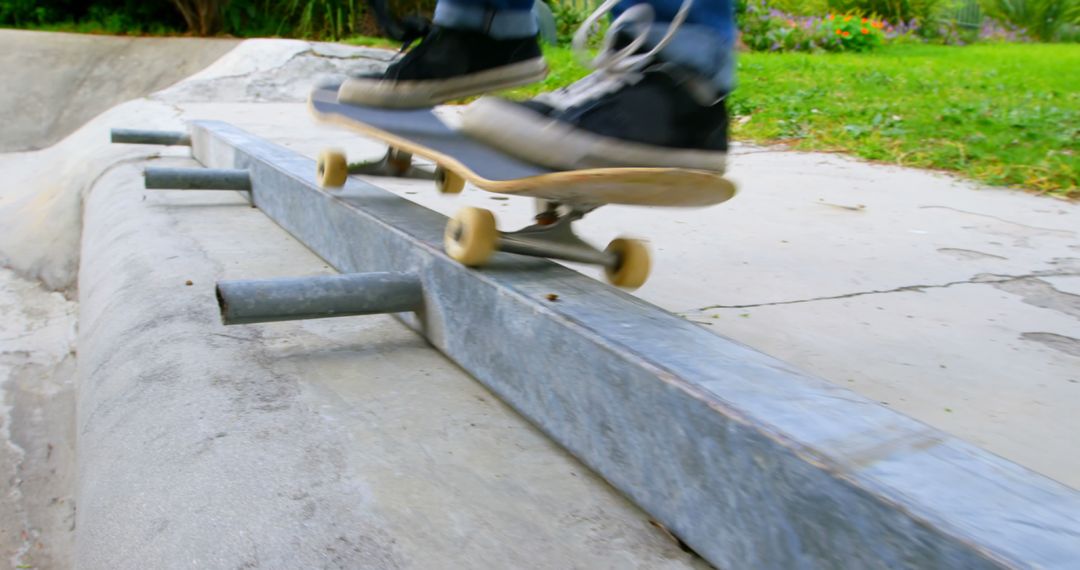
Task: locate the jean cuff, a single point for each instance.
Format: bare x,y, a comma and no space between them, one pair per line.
499,24
700,49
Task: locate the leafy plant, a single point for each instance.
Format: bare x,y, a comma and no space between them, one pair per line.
895,11
1042,19
768,29
569,16
854,32
801,7
323,19
112,16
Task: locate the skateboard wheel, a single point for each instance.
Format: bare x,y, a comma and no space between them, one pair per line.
633,265
332,170
471,236
447,182
398,161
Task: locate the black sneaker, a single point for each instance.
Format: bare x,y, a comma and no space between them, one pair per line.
449,64
661,116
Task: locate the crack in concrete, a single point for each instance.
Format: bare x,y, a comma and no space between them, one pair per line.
993,217
359,55
982,278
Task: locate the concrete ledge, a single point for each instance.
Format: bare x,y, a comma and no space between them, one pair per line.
339,443
751,463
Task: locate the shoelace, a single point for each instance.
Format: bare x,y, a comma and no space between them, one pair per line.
614,67
637,19
413,30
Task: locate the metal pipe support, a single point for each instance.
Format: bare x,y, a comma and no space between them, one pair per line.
197,179
288,299
136,136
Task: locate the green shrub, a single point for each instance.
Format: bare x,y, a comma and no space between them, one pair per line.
801,7
895,11
569,15
1069,33
252,18
856,33
113,16
1042,19
321,19
768,29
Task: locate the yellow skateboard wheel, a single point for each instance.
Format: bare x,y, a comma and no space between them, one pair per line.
332,170
447,182
471,236
632,269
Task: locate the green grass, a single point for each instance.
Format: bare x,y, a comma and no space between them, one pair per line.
564,70
1005,114
369,41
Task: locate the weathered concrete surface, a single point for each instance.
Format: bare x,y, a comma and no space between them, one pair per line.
55,83
937,296
37,425
746,459
340,443
791,235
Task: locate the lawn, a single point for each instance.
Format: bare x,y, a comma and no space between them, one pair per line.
1004,114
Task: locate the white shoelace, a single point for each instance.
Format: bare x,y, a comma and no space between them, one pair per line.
614,68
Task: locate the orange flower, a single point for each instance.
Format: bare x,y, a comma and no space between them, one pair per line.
839,31
847,18
831,16
877,25
847,34
791,23
864,20
865,31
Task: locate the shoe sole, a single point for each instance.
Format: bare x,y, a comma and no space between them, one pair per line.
536,138
428,93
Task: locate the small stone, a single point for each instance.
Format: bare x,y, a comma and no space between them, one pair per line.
551,297
189,282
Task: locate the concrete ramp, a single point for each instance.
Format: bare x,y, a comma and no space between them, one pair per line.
58,82
352,442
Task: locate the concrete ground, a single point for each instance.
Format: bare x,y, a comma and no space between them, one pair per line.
332,444
954,303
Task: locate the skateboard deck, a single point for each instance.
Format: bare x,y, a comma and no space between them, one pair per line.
422,133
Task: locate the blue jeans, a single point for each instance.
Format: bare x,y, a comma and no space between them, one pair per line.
704,43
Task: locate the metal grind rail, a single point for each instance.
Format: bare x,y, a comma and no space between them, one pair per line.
750,462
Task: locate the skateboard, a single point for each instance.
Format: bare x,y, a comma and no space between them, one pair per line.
562,197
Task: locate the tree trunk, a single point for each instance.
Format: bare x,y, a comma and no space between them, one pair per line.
203,17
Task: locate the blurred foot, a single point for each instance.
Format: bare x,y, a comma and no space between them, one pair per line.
660,116
449,64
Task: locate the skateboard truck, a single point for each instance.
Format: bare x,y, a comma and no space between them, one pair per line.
472,238
333,170
395,163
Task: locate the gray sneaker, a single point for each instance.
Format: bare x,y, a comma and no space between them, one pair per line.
449,64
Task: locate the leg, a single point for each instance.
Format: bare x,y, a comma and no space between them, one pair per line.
500,19
704,43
